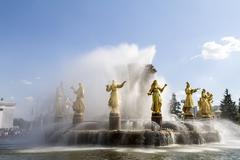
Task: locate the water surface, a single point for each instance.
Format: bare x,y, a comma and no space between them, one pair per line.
207,152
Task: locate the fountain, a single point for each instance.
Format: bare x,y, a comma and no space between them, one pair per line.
118,131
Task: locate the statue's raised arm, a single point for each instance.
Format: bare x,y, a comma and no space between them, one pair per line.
121,85
108,88
74,90
162,89
195,90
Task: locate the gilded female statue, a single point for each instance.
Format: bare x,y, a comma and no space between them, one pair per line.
113,102
156,91
188,104
59,100
78,104
210,101
203,104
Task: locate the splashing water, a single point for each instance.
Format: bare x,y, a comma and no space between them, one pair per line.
124,62
228,131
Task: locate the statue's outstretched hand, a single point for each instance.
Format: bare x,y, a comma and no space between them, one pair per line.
123,83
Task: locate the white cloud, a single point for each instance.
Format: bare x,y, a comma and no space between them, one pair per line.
29,99
219,51
37,78
26,82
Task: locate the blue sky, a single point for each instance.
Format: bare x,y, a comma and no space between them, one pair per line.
37,35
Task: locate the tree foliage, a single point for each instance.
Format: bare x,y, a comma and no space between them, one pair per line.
239,106
175,106
21,123
228,107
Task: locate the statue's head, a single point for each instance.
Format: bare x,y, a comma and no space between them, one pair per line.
155,82
113,82
203,91
80,84
209,94
188,84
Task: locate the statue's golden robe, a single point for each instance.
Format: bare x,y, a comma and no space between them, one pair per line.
203,104
113,101
156,100
210,101
188,104
156,91
78,104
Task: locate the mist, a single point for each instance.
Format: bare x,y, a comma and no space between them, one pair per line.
99,67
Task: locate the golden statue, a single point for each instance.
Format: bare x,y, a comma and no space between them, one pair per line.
78,104
188,104
156,91
210,101
59,100
113,102
204,104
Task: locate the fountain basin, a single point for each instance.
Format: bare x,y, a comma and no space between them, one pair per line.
132,137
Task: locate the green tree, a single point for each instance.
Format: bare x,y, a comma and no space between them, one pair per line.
175,106
228,107
21,123
239,106
238,115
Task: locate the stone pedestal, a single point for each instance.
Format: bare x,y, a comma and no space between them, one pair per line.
205,119
58,119
157,118
77,118
188,116
206,116
114,121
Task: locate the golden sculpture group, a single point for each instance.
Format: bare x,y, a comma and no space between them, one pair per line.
204,103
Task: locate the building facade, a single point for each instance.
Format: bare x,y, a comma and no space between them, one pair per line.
6,114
